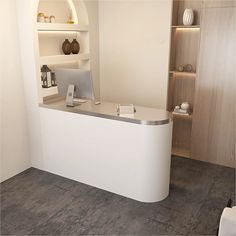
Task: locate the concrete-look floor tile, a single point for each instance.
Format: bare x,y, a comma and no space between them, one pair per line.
127,217
34,210
7,229
77,216
208,218
39,203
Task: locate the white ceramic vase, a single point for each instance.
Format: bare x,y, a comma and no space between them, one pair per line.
188,16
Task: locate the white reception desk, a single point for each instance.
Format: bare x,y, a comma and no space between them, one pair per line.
91,144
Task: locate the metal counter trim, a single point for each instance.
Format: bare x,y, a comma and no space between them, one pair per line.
108,116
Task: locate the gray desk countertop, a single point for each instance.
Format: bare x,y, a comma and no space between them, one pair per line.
143,115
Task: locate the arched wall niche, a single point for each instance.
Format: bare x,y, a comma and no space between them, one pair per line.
63,10
50,37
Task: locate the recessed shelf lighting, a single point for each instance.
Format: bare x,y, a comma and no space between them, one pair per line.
186,26
183,73
57,32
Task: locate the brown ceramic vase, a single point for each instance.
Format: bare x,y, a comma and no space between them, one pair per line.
66,47
75,47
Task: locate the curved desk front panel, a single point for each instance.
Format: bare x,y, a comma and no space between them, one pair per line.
127,158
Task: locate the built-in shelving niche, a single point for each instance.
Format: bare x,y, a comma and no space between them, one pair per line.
184,50
52,35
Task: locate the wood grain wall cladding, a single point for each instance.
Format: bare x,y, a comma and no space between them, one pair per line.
187,47
184,87
184,50
181,141
213,131
218,3
170,103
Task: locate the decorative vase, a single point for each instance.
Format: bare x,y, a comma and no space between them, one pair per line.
185,106
40,17
75,47
46,19
66,47
52,19
188,16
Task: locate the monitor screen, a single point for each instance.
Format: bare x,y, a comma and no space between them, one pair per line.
80,78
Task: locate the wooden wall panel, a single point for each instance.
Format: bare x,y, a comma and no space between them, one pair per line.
187,47
213,131
183,89
170,93
181,140
175,8
219,3
173,50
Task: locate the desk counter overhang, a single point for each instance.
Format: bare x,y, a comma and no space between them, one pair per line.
108,110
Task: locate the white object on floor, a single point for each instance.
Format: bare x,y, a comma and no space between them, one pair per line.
228,222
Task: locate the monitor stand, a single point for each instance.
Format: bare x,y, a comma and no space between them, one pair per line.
70,95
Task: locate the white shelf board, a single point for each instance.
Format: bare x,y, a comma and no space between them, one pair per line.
61,27
60,59
49,91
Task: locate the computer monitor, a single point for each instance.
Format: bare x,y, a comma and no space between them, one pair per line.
80,78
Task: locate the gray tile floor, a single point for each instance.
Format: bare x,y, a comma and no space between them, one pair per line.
38,203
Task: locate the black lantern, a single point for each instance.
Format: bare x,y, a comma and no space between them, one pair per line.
46,76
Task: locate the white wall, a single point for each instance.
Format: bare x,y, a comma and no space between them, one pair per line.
14,131
26,18
134,51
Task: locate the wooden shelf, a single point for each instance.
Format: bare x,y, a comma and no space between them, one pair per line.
49,91
60,59
182,117
180,152
184,50
183,73
186,26
62,27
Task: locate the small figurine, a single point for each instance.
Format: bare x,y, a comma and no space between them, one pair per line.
183,109
180,68
188,68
